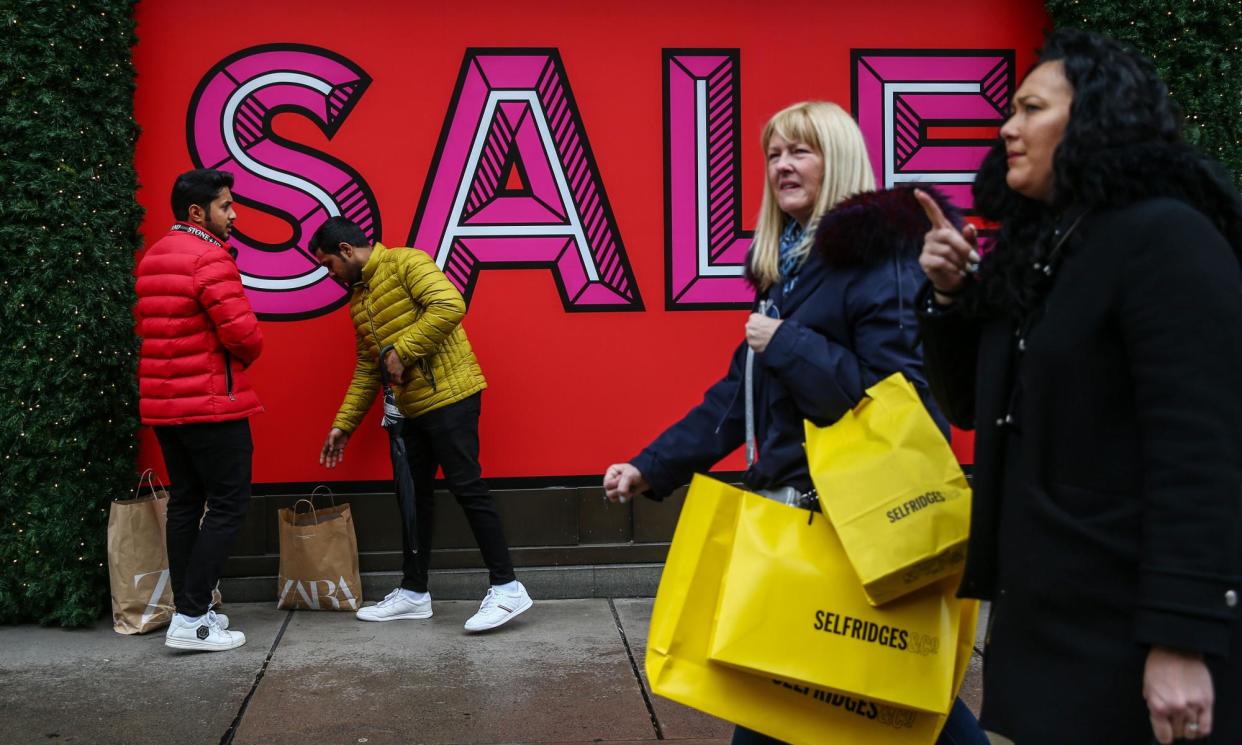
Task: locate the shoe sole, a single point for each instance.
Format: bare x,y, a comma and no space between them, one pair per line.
398,617
506,619
198,646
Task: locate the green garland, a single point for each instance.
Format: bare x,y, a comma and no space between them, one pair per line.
69,226
1197,47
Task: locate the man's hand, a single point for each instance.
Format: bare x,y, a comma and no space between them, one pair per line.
759,331
623,482
333,451
393,366
1178,689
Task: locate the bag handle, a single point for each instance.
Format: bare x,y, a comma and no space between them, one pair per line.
327,490
749,383
147,476
313,512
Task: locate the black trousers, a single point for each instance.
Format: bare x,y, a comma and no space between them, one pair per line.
209,465
448,438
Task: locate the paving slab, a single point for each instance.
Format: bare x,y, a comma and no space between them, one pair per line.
981,628
557,674
971,691
677,721
96,686
972,686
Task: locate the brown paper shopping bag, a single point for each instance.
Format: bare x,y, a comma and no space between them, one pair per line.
318,557
142,598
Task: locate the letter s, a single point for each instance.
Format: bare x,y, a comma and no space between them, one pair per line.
819,620
229,127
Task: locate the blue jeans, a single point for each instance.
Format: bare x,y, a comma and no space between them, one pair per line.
961,729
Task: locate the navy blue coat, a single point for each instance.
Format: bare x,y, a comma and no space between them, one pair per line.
848,322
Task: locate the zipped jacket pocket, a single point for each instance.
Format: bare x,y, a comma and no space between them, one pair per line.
228,374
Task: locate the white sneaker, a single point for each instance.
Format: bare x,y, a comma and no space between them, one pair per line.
204,635
499,608
394,607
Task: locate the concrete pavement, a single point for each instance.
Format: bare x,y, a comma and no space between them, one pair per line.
567,671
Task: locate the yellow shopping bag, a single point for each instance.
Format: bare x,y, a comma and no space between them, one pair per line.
791,606
890,484
678,667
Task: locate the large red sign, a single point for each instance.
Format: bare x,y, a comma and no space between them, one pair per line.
586,174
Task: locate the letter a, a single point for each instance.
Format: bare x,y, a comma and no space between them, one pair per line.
344,586
514,185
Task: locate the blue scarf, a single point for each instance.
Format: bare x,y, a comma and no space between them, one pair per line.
790,263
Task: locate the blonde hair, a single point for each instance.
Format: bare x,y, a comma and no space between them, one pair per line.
847,171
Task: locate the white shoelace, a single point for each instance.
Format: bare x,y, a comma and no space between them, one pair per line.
390,598
493,599
211,618
490,600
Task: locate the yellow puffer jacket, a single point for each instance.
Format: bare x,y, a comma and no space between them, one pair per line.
405,301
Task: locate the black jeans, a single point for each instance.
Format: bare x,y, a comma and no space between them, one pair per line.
449,438
209,465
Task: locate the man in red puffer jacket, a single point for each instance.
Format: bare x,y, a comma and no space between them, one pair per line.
198,337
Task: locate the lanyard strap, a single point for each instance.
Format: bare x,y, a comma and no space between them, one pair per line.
197,233
751,453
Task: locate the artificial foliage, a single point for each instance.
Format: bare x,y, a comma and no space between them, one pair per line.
1197,47
69,226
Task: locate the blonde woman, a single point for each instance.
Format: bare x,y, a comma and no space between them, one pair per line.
835,268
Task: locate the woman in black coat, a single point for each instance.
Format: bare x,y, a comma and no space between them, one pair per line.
1097,352
835,266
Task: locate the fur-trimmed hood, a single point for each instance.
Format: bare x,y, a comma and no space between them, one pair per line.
1118,176
874,226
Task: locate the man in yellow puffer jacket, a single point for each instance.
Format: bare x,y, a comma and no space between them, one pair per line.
407,316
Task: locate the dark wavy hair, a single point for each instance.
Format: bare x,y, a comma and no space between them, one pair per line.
1119,103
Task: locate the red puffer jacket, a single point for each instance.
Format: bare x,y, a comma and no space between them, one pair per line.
198,332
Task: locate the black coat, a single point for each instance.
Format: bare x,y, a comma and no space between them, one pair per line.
1107,512
848,322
